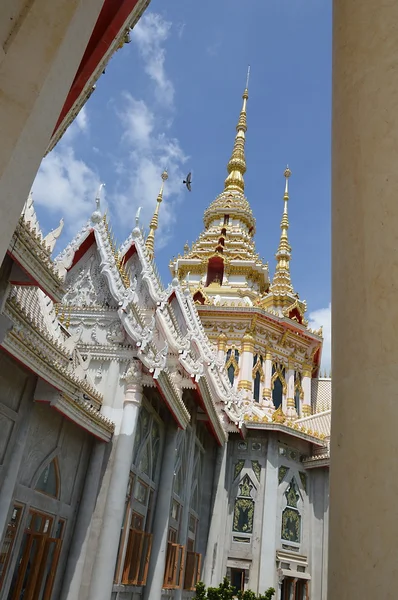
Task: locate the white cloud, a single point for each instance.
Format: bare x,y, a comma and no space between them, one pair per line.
82,120
323,318
66,186
149,34
138,121
180,29
79,125
150,151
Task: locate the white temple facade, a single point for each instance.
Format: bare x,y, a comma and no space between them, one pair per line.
152,436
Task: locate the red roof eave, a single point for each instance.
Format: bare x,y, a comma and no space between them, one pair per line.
111,19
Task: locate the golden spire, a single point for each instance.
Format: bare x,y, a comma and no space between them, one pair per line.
282,282
150,241
237,163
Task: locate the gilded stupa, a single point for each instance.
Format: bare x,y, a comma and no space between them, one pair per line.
222,265
257,324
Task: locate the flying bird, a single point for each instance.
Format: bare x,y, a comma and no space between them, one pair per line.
187,182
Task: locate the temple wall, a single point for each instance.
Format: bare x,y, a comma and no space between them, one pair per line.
286,535
43,464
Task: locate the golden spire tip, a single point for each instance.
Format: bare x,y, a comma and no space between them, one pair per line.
247,78
287,172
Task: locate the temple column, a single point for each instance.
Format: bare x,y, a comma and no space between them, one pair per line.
290,403
364,446
267,554
183,533
213,559
267,391
221,346
157,562
246,366
306,385
105,561
78,549
41,46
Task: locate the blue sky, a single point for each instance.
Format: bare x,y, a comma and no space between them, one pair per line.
171,98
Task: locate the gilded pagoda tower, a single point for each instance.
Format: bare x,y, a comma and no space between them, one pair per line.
258,324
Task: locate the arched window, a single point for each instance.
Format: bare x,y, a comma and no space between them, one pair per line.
244,507
48,482
136,536
258,375
199,297
278,384
232,364
291,518
215,270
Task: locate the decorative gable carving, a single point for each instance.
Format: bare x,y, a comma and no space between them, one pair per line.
86,285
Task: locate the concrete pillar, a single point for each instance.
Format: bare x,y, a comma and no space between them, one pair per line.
11,475
246,366
363,528
78,548
213,559
290,403
183,534
157,562
306,385
270,509
41,46
105,561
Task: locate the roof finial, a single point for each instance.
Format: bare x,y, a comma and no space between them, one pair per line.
98,196
137,216
150,241
282,281
237,163
247,78
96,216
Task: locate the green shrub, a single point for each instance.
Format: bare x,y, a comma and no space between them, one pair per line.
225,591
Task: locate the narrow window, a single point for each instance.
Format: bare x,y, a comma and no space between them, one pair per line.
291,518
48,482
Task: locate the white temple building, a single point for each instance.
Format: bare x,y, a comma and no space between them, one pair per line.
152,436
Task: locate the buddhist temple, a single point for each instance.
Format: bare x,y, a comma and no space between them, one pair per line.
158,436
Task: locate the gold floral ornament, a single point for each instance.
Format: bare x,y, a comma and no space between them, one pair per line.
278,416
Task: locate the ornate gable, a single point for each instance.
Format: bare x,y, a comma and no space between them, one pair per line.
85,284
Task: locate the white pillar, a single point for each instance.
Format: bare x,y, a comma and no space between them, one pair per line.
246,366
157,562
364,445
42,55
78,548
11,474
104,565
183,534
267,391
221,346
267,570
306,385
290,404
213,559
